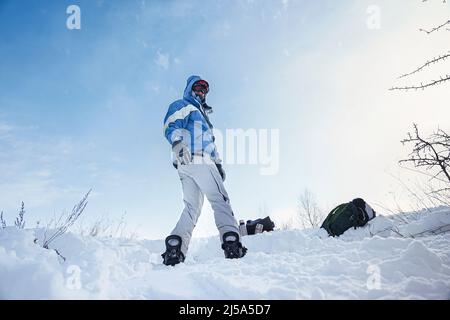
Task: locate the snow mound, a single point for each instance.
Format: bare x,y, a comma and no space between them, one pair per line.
384,260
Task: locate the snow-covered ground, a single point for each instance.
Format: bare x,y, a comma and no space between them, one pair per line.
374,262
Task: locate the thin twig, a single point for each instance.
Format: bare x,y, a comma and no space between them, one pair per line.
422,86
427,64
436,28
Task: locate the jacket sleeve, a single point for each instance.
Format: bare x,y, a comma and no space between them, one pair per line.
175,122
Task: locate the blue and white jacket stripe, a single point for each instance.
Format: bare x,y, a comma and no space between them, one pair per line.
185,121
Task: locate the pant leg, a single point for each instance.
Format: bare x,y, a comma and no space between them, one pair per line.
208,178
193,202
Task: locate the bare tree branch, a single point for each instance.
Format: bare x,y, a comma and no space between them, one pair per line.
436,28
440,190
427,64
423,86
431,153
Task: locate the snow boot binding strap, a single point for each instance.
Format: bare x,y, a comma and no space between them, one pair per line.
173,254
231,246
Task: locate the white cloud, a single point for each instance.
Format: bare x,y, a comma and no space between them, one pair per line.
7,130
5,127
44,173
162,60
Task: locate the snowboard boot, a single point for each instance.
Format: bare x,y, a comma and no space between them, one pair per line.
173,254
232,247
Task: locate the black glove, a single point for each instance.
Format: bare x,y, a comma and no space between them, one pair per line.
181,153
221,171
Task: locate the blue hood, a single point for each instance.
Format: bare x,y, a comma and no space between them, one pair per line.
182,122
187,95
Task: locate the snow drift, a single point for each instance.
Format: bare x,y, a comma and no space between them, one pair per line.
387,259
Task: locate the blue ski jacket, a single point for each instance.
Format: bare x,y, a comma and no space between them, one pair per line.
187,120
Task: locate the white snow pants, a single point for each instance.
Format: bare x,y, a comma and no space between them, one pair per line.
200,178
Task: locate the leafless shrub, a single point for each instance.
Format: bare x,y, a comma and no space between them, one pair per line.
431,156
434,231
20,221
63,225
419,202
288,224
308,212
2,221
431,153
441,197
105,227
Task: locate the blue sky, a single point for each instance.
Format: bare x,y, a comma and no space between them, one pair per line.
83,109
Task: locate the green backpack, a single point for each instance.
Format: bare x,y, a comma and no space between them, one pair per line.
347,215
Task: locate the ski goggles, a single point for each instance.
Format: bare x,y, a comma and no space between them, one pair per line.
201,86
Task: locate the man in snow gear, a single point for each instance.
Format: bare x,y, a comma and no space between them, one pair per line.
173,254
188,129
347,215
